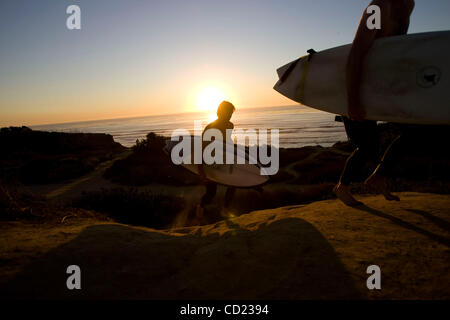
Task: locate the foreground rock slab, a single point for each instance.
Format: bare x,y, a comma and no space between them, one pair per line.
315,251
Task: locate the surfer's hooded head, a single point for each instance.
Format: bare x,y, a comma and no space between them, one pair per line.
225,110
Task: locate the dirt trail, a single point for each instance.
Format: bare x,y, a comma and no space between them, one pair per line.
69,189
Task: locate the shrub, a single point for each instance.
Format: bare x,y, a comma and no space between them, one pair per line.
149,164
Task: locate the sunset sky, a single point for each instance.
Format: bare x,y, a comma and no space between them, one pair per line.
136,57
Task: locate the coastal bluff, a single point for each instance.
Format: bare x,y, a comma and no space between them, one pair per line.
39,157
319,250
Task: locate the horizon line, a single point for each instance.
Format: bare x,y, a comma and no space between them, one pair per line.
144,116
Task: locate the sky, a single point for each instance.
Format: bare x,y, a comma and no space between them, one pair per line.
135,58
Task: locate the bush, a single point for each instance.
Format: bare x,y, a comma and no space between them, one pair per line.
152,143
149,164
20,205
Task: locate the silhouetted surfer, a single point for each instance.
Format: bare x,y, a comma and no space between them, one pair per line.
363,133
224,113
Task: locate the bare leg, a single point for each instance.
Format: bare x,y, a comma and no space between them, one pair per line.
211,189
379,184
342,190
199,210
226,212
377,181
344,194
364,136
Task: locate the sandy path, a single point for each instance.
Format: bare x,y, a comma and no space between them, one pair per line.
320,250
70,189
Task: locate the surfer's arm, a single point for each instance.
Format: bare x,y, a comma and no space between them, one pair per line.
362,43
404,26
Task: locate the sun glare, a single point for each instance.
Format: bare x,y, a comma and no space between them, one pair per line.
212,116
209,98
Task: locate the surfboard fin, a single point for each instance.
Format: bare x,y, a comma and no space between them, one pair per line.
311,53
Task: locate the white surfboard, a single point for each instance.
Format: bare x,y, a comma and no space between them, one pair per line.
405,79
236,175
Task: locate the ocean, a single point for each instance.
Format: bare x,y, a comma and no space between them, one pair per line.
298,126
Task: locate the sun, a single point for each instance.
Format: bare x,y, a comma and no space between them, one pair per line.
209,98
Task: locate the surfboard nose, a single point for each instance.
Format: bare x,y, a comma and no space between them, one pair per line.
281,70
283,74
284,71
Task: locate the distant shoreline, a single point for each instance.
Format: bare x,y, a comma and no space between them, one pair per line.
299,126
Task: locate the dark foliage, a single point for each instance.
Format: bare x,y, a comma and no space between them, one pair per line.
39,157
149,164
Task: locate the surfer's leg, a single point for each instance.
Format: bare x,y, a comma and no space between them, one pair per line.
377,180
363,135
229,196
351,173
352,166
342,189
211,189
225,212
344,194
